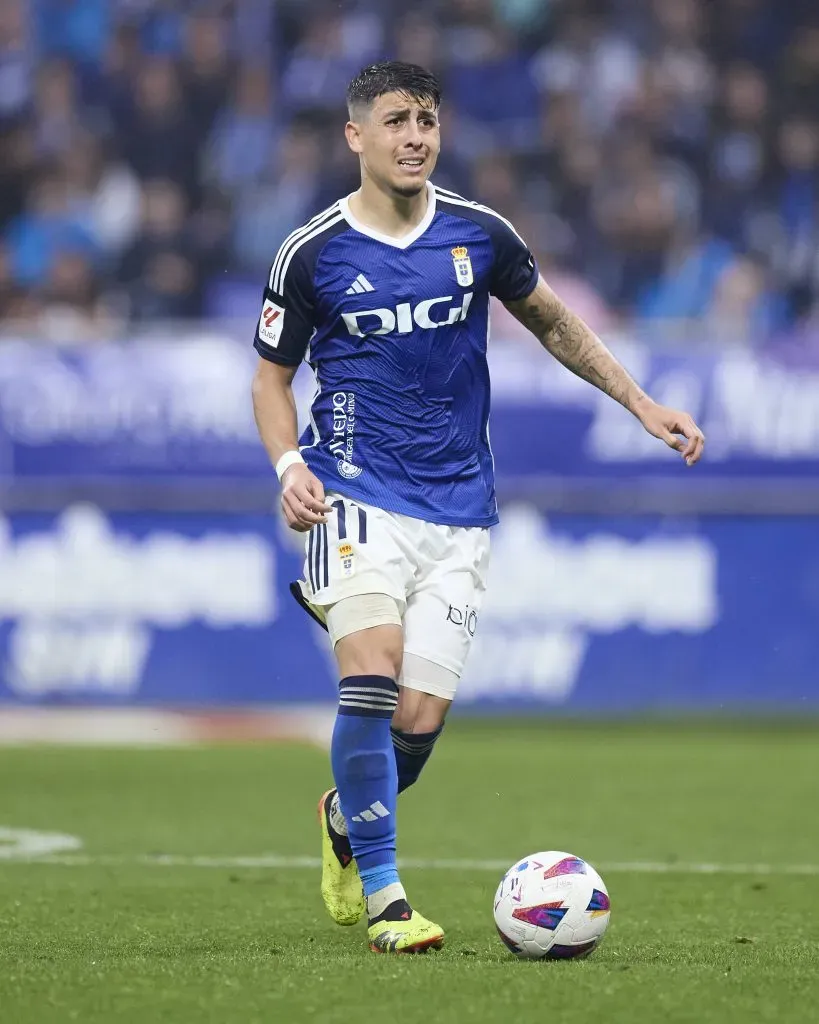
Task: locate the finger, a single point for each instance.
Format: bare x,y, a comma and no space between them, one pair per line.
691,432
303,499
699,445
306,497
672,440
315,489
286,511
293,523
309,517
301,512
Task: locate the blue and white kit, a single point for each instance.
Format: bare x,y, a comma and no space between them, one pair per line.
396,331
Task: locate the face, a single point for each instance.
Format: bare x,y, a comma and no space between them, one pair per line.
398,140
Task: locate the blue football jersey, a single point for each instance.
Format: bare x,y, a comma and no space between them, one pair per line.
396,331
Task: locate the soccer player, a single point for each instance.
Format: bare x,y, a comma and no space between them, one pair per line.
386,294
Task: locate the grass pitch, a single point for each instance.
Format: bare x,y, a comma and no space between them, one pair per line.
119,933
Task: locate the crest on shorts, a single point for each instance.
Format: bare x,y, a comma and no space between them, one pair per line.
463,266
345,553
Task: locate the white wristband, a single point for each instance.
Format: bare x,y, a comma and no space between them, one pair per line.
286,461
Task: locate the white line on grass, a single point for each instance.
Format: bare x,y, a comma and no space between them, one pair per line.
279,863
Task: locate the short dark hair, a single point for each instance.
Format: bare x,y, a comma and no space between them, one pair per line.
393,76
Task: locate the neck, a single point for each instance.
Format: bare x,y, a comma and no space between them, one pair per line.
386,212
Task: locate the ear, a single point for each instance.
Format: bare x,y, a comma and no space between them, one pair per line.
352,132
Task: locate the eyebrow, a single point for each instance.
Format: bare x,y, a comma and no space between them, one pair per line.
405,111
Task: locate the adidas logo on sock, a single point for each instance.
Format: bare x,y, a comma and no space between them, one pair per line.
361,284
372,813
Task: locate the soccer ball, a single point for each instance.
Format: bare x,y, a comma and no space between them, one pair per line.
551,906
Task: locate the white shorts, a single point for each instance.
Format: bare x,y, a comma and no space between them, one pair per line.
436,574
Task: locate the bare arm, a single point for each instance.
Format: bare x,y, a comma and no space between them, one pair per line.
562,333
569,340
275,410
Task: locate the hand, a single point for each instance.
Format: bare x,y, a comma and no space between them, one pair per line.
303,501
667,424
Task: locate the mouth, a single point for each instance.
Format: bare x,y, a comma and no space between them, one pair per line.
412,163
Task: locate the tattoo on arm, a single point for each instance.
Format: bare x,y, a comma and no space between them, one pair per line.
573,343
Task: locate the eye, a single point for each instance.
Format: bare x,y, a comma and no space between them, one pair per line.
393,121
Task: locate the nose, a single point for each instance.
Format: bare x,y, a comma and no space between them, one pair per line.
414,136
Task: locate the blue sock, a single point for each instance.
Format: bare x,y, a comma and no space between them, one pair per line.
366,776
412,752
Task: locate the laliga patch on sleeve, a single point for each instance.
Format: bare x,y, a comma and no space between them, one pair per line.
270,323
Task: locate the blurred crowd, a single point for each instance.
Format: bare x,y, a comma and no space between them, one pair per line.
660,156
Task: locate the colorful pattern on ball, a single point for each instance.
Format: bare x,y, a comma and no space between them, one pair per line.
599,903
570,952
567,866
547,915
551,905
511,946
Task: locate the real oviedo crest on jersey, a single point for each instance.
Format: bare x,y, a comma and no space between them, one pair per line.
463,265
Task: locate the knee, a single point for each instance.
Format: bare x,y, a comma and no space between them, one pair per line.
419,712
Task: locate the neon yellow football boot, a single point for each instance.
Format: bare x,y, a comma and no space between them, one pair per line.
340,882
414,935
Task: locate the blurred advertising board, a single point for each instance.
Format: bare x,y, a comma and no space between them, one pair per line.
141,561
178,410
585,613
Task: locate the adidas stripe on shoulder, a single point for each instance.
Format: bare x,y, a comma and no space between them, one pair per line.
295,240
445,196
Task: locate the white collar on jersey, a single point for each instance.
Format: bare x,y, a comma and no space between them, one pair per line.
398,243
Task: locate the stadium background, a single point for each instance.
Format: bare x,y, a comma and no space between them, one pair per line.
661,159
